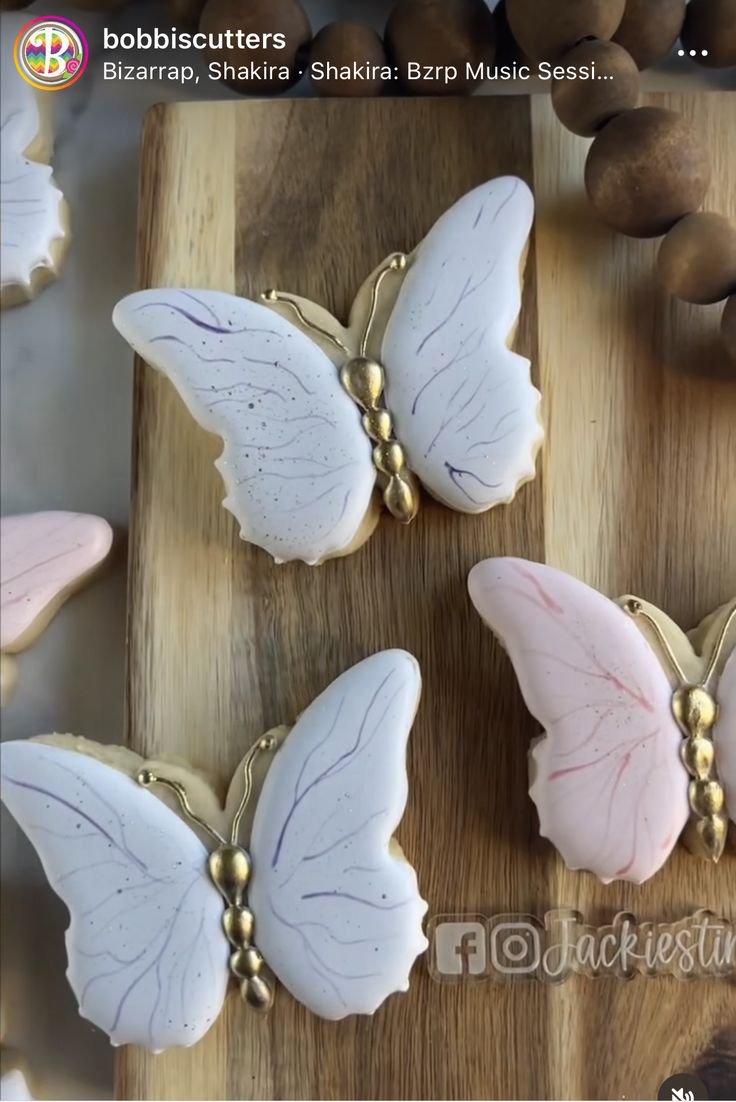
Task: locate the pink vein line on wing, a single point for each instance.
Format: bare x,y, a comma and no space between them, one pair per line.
558,773
553,610
600,673
38,566
610,708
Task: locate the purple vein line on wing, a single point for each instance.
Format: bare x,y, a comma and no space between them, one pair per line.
336,894
82,815
330,769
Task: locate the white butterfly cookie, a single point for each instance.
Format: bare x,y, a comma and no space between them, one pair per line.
160,921
421,384
33,214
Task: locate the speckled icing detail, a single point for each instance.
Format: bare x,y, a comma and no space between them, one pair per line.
296,463
32,208
42,555
425,356
608,782
147,958
337,912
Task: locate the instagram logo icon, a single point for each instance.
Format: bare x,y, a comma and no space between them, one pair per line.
515,945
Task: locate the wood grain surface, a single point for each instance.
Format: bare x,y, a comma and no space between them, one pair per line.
636,492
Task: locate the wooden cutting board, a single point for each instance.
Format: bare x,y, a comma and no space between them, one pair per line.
636,493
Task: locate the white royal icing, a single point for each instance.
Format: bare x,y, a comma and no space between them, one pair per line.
338,913
337,909
296,463
462,401
32,206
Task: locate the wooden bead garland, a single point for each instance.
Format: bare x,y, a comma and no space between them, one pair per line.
440,33
584,106
697,259
650,28
345,44
710,25
548,30
645,170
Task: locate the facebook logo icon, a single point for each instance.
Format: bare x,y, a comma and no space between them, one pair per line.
459,948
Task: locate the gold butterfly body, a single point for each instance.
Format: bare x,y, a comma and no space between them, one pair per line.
696,710
230,868
363,377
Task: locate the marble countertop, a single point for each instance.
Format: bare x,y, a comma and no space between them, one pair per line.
66,440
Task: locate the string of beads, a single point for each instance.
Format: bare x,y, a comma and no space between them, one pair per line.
647,171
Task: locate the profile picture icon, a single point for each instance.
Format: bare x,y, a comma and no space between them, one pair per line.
51,53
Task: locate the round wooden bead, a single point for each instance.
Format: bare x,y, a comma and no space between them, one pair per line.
585,105
697,259
348,44
728,327
440,34
546,35
647,169
650,28
711,25
262,17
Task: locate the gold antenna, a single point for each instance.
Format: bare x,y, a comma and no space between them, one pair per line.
635,608
716,653
287,300
264,744
395,263
147,778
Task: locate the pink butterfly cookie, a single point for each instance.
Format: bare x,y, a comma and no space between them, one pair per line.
44,558
639,718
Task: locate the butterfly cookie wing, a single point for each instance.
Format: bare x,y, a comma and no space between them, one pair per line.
608,782
42,557
148,961
32,209
338,911
724,735
296,463
463,404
